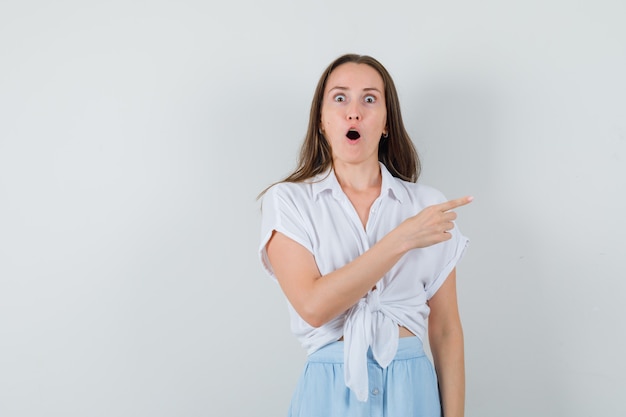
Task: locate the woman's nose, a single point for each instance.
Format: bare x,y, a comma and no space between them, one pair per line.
353,113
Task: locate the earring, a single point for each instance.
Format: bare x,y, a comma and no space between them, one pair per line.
386,135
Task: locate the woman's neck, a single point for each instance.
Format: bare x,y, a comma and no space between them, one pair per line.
358,177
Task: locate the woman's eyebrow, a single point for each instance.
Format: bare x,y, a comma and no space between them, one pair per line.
347,88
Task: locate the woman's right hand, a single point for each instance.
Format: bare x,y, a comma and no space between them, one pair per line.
431,225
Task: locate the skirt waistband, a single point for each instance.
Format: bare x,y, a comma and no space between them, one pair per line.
408,348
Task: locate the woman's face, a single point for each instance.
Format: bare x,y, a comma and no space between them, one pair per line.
354,113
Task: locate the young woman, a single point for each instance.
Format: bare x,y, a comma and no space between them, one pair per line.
365,256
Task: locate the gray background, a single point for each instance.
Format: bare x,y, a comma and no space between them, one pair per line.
135,135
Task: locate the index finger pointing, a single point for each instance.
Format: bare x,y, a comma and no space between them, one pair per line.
452,204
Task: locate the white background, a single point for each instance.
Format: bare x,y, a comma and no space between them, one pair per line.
135,136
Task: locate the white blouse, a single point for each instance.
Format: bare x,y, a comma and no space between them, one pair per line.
319,216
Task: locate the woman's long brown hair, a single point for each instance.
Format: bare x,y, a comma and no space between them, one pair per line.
396,151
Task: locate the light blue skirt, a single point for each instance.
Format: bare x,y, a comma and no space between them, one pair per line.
406,388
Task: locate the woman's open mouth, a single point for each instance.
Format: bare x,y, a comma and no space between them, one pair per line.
353,134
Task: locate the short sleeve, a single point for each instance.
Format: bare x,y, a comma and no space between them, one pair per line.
442,257
280,212
449,253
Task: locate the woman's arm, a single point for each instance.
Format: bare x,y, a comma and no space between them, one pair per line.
318,299
446,344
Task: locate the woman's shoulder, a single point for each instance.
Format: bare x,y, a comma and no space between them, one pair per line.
423,194
285,187
295,192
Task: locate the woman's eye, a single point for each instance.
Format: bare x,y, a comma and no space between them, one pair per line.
370,99
340,98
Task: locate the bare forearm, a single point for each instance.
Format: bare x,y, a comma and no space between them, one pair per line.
332,294
449,358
